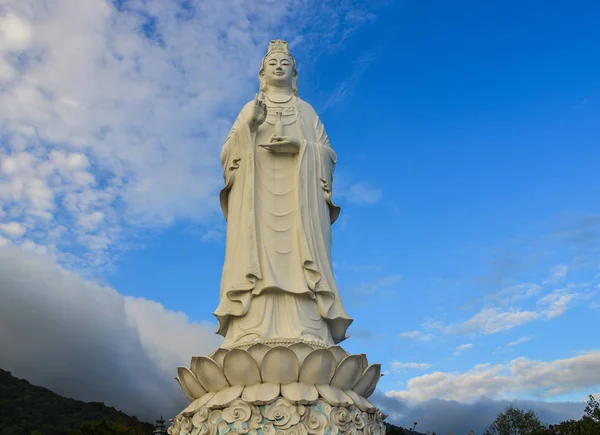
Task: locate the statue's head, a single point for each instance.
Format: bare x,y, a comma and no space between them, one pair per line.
278,68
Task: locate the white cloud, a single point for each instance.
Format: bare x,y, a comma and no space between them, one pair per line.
397,365
359,193
557,274
113,114
90,342
556,303
169,337
515,293
492,320
504,310
520,340
13,229
213,236
462,347
537,378
375,285
416,335
15,33
341,92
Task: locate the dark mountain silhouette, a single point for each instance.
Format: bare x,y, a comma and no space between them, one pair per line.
31,410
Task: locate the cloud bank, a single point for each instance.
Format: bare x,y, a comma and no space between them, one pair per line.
443,416
91,343
543,379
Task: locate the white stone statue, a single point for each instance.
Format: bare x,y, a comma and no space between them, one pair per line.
277,280
279,369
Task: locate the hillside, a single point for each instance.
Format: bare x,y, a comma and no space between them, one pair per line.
29,409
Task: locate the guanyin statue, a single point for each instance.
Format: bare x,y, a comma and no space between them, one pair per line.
278,163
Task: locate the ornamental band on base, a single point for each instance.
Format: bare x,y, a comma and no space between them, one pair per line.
318,418
280,368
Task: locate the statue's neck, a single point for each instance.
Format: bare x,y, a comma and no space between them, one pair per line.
279,95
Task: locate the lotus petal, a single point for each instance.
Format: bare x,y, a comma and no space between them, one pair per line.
240,368
186,392
194,365
225,397
280,366
209,374
338,353
258,352
299,393
197,404
334,396
360,402
348,372
261,394
187,378
318,367
219,355
301,350
364,362
368,381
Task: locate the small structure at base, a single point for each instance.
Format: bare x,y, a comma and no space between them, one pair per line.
159,427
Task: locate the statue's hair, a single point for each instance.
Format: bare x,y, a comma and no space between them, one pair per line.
263,81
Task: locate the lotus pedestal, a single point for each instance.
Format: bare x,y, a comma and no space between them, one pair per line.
279,386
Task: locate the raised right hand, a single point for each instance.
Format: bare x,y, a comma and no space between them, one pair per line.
258,111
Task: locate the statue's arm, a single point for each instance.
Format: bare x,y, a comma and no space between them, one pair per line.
230,153
231,157
323,141
328,163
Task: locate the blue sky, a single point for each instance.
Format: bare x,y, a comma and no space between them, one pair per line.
470,126
467,134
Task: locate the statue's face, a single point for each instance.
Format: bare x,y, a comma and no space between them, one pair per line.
278,70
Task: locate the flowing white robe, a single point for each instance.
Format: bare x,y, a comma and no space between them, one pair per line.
277,277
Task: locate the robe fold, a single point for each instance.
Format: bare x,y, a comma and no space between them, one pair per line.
277,275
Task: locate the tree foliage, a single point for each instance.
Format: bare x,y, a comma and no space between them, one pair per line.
103,427
592,409
514,421
589,424
505,423
391,429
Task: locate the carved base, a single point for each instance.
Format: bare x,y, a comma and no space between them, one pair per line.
282,416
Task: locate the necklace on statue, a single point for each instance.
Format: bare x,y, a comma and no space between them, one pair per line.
277,101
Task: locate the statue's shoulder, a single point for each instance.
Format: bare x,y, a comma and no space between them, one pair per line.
306,108
247,106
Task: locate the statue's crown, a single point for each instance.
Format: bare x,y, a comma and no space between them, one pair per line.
278,46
